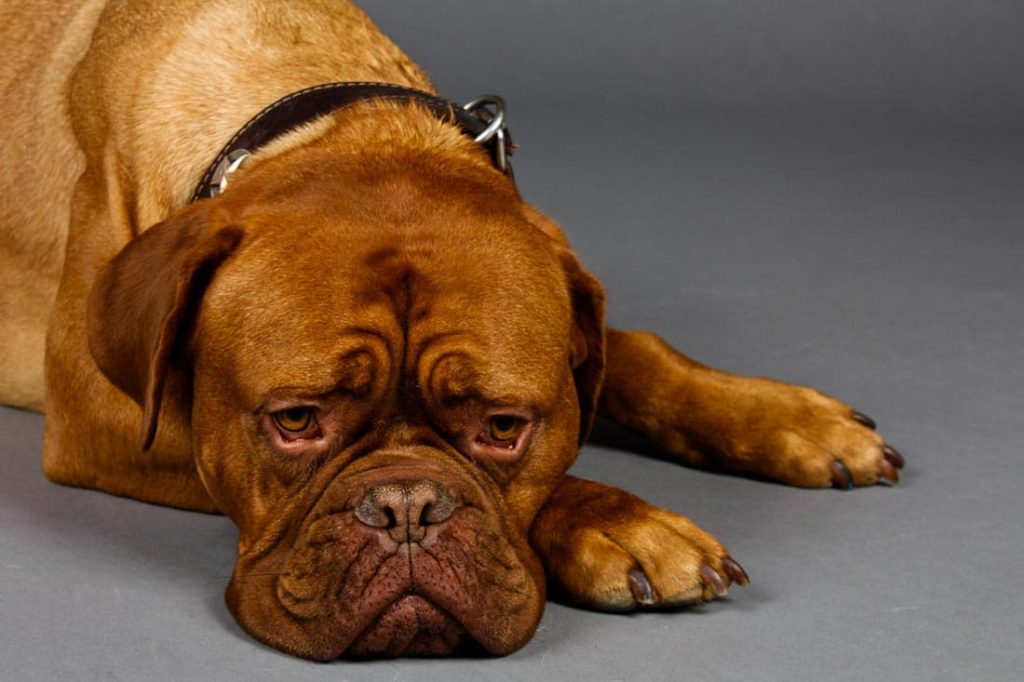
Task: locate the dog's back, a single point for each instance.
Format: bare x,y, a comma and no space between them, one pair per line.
43,43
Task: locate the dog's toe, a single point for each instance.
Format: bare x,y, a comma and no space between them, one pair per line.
735,572
610,550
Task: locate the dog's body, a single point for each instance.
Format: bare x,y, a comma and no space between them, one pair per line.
368,352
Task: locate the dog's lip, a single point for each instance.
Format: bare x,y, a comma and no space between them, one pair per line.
473,631
436,618
437,624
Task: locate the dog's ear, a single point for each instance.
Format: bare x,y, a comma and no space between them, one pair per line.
587,343
587,298
143,302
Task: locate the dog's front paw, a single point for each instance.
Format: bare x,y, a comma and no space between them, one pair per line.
802,437
610,550
716,420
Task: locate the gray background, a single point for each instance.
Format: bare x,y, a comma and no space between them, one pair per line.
828,193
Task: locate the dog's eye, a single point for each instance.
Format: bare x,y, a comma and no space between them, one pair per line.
504,428
295,420
501,438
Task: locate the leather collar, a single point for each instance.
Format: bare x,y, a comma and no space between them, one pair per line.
482,119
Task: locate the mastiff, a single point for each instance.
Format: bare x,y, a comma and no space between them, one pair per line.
276,276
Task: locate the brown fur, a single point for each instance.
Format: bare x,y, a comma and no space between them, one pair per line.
372,263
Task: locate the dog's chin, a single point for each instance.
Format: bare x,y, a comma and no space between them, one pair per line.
390,622
411,626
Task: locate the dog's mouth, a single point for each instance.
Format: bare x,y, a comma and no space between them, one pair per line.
385,614
411,626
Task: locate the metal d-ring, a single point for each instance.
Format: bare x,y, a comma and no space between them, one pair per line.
228,165
495,119
490,109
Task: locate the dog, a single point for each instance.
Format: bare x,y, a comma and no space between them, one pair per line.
356,339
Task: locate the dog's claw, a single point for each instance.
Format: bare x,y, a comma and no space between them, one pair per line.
864,419
641,588
712,579
893,456
889,472
735,571
841,476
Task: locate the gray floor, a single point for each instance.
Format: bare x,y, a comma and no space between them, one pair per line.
881,262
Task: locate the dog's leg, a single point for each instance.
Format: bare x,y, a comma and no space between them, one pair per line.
91,437
606,549
24,303
713,419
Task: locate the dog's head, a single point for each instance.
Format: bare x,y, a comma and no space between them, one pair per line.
387,365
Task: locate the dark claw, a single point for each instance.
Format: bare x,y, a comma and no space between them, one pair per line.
889,472
841,476
640,586
710,577
894,457
864,419
735,571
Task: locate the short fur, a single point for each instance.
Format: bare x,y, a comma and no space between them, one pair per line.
373,265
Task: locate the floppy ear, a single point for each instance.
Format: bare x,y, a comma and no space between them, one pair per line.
587,298
144,300
587,350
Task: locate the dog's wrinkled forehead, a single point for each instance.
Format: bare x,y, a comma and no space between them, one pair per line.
304,291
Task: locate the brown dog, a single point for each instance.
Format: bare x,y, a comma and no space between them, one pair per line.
368,351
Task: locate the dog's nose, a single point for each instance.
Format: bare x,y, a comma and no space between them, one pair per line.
406,509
